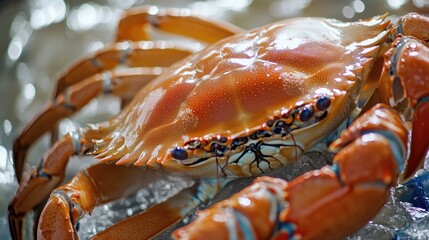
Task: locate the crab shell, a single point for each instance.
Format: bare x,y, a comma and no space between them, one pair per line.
238,87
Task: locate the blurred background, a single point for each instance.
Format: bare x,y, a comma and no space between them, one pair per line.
41,38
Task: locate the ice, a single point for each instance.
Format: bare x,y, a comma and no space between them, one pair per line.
392,216
415,212
415,197
416,191
106,215
418,230
405,215
373,231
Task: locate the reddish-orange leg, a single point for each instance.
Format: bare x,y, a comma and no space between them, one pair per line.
404,78
125,54
399,82
132,54
36,185
136,23
135,26
89,188
95,186
84,81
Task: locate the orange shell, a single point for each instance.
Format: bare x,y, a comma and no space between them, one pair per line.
237,84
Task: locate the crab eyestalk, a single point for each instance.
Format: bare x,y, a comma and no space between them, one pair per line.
405,76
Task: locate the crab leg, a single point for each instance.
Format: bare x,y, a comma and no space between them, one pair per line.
398,82
134,23
163,215
130,54
95,186
353,190
123,83
36,186
416,89
89,188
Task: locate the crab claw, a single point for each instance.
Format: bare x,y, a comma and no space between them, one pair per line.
56,221
413,72
405,76
415,55
419,140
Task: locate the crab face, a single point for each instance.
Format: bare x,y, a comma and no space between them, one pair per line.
250,103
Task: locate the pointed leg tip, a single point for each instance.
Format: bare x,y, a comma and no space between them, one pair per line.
15,224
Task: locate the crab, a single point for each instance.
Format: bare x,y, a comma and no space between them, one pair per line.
247,104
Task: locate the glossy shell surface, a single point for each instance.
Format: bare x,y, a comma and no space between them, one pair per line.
232,88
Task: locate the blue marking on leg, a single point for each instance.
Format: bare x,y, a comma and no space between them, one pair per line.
424,99
207,189
245,226
286,227
336,170
396,146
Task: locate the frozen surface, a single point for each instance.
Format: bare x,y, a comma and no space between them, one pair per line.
105,216
405,215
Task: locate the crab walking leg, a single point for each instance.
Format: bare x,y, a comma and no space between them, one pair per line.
124,83
130,54
327,203
91,187
163,215
36,186
134,25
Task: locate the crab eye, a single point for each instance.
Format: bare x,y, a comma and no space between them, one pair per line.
179,153
323,103
306,114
